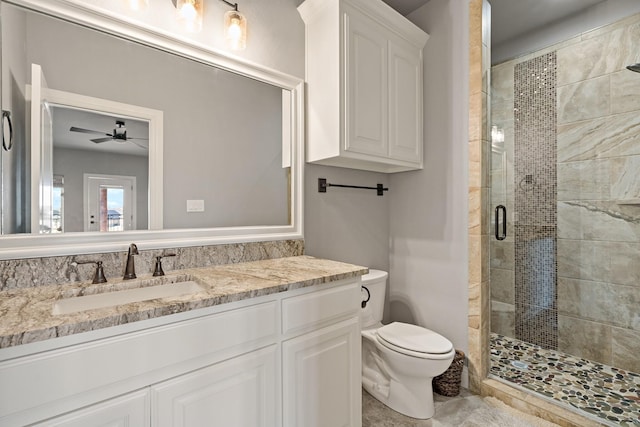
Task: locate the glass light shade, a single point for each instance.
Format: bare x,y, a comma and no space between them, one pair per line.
137,5
235,30
189,14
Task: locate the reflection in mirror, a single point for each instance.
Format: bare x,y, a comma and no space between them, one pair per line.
222,132
100,170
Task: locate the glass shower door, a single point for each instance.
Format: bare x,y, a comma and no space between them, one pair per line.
565,162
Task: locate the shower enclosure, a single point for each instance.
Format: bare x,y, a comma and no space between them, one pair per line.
565,180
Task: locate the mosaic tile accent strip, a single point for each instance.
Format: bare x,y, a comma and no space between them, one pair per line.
536,315
605,393
536,212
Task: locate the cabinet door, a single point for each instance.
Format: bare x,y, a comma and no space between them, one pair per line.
131,410
365,87
239,392
322,377
405,102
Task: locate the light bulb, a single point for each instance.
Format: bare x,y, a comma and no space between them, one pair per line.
189,14
188,11
235,30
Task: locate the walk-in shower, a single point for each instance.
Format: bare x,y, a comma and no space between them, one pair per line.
565,165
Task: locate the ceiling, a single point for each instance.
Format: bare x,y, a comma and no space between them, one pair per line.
513,18
64,118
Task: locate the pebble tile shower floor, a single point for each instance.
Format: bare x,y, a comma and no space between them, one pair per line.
609,394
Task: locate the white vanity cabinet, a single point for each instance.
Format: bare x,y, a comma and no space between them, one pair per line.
238,364
322,378
240,392
364,86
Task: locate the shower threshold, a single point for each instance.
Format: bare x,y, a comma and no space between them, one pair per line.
604,393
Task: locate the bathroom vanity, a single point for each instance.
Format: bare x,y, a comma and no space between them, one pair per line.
265,343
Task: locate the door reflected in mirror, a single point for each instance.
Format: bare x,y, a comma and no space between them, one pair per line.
102,164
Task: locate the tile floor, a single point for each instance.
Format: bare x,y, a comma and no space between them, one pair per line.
608,394
375,414
465,410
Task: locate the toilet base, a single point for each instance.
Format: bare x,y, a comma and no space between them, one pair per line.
415,404
401,382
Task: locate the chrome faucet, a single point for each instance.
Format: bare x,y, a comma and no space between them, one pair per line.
130,268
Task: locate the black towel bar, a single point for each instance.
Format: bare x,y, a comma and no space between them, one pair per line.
323,184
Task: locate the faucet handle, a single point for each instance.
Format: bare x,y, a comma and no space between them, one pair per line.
157,271
98,276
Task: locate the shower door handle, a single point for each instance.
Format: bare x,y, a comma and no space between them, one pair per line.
6,117
501,209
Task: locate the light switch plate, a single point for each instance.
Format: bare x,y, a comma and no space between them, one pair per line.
195,205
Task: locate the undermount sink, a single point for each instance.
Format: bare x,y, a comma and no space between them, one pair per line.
118,297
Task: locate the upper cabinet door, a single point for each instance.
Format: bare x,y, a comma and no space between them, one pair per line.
365,86
405,102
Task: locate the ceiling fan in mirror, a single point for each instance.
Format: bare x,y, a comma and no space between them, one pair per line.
119,135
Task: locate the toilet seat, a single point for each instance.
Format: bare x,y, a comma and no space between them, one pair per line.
414,341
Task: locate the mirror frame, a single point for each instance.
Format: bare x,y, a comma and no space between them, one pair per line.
34,246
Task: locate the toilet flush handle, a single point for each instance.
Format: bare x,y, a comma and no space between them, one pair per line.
364,302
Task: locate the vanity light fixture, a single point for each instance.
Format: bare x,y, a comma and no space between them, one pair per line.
189,14
235,28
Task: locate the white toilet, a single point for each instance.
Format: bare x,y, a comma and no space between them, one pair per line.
399,360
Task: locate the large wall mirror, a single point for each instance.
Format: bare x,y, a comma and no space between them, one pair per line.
119,134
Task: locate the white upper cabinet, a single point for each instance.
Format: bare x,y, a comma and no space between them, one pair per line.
364,86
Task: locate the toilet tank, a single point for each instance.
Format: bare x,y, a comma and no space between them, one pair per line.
376,282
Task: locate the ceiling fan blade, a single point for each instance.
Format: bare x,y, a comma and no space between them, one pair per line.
75,129
144,147
99,140
142,139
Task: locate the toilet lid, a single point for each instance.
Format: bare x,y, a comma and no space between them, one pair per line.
414,338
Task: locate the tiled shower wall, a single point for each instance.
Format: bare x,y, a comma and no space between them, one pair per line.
598,195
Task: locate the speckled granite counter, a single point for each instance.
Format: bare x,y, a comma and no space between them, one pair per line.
26,314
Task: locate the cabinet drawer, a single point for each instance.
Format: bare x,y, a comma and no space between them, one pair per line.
304,312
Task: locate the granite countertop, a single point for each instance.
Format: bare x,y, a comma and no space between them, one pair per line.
26,314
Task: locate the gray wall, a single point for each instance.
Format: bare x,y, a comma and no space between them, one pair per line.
275,36
73,164
347,224
428,208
